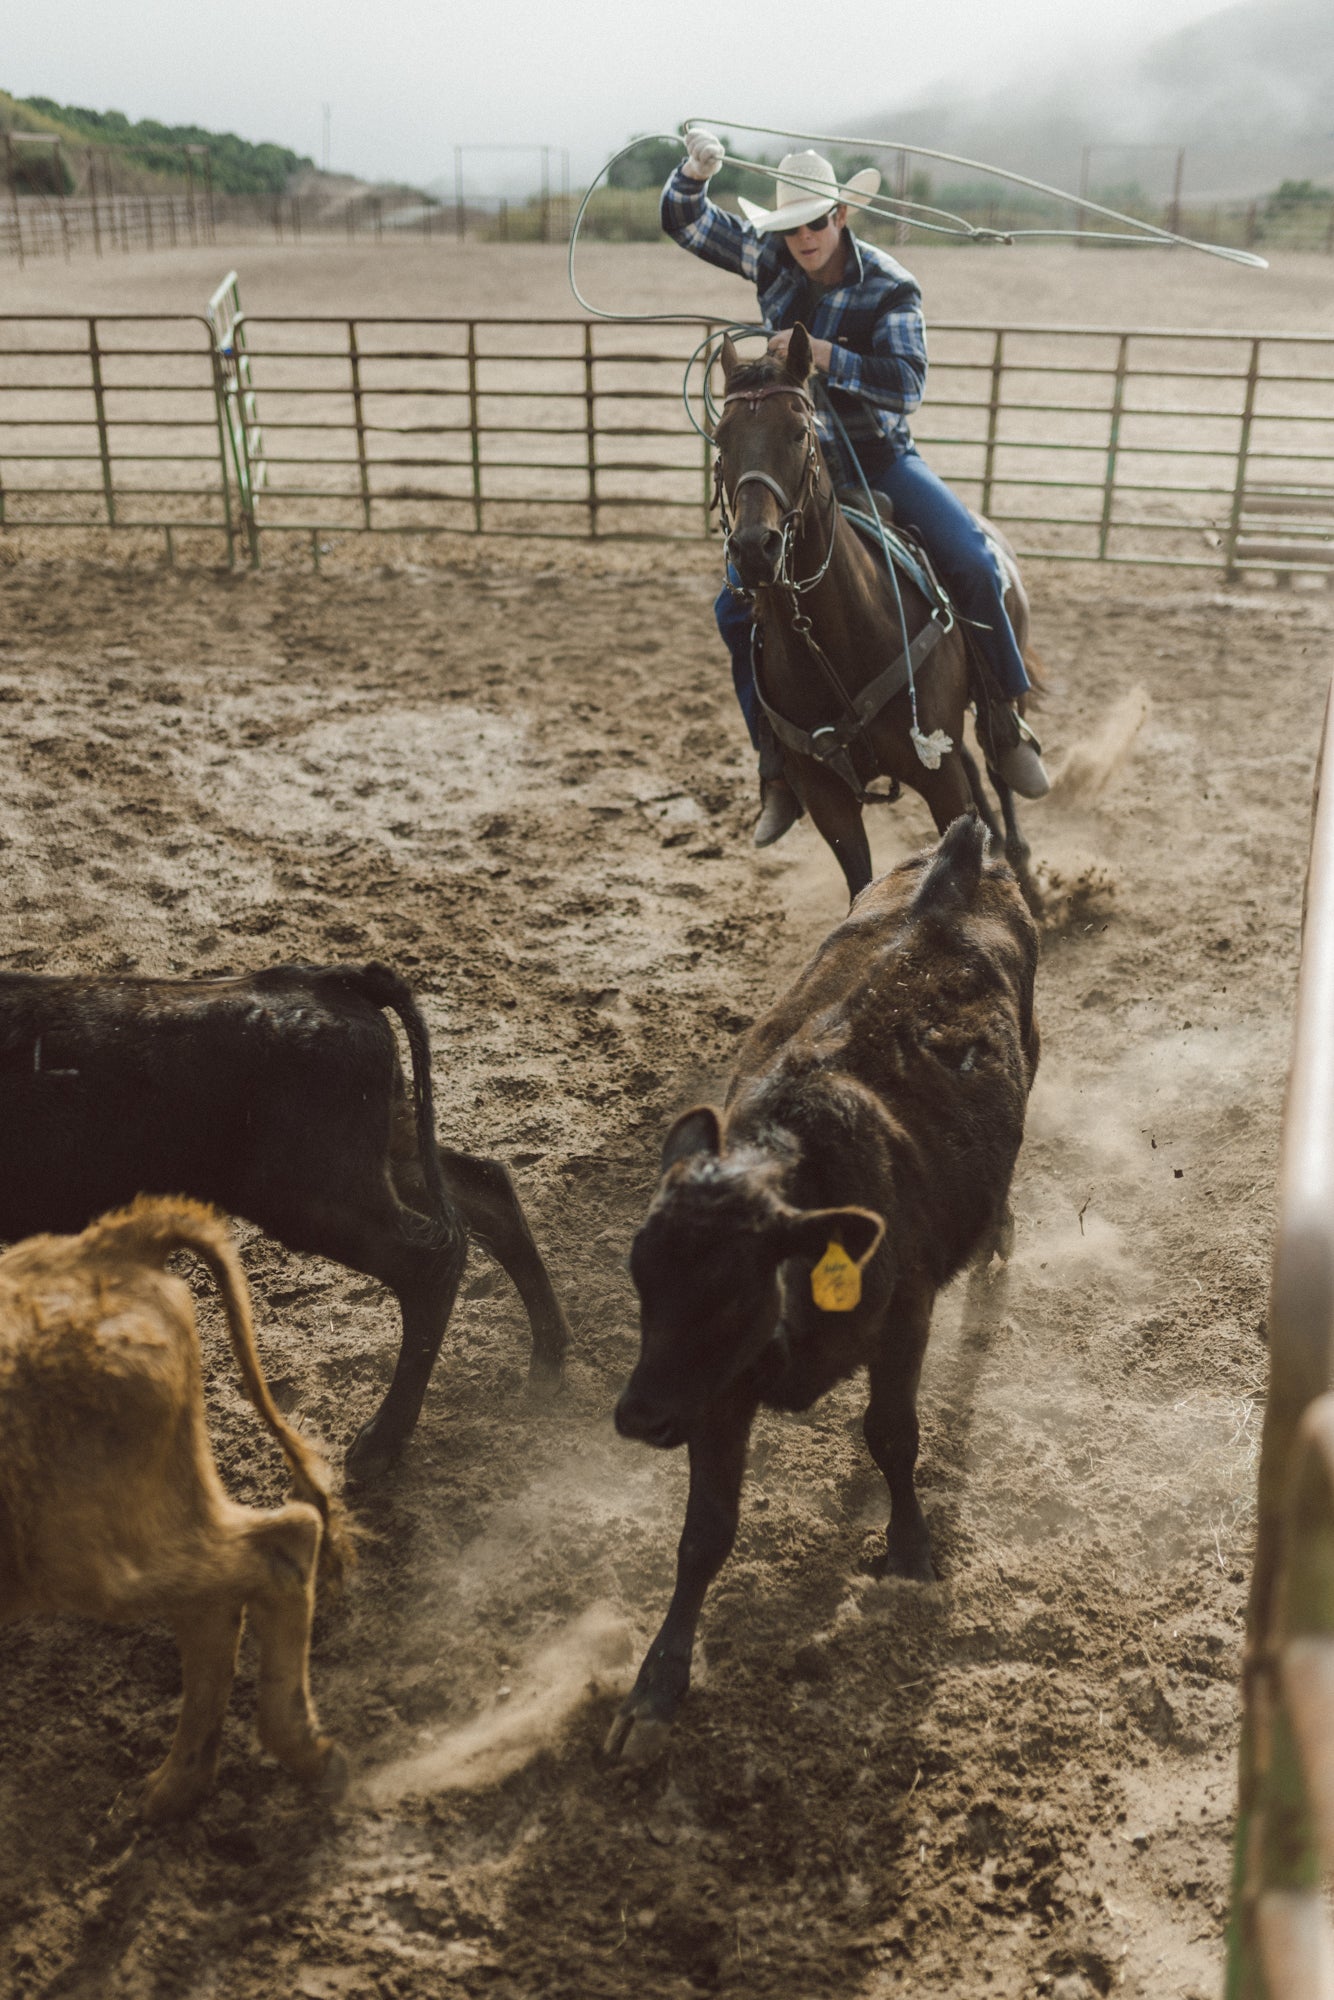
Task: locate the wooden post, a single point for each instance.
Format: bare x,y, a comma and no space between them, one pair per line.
1174,212
92,190
14,196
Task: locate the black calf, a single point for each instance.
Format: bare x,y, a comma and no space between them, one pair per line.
276,1095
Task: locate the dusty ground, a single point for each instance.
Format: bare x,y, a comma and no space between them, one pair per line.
518,776
1021,1775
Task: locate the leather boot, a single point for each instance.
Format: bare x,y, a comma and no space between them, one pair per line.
780,808
1013,751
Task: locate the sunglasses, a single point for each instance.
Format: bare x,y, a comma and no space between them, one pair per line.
820,222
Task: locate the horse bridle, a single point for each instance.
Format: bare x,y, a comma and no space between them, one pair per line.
793,511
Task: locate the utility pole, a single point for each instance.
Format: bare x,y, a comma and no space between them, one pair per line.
327,136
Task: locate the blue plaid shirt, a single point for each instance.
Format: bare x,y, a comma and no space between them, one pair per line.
872,317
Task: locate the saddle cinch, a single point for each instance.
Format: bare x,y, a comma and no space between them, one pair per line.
833,743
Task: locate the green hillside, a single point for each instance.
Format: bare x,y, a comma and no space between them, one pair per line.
152,151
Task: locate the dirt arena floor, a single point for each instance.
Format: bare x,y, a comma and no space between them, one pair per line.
516,773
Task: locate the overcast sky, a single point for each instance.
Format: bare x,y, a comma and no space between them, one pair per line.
408,80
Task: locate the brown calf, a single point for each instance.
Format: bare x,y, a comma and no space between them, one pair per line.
110,1503
863,1158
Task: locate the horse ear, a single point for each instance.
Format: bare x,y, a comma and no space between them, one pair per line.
729,357
799,354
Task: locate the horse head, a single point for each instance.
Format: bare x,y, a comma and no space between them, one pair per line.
768,457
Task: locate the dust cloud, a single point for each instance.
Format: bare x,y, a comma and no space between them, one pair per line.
590,1657
1093,761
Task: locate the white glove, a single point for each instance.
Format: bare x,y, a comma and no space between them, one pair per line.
704,154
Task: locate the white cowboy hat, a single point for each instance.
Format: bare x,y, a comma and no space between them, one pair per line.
800,199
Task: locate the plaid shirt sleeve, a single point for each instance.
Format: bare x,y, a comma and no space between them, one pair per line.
893,375
709,232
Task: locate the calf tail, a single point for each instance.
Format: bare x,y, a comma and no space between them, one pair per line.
384,987
150,1229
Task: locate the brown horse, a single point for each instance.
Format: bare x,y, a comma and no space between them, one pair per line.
830,629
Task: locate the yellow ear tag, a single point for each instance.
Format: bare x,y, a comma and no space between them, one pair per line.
836,1282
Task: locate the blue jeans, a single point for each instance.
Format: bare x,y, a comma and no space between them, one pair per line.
957,548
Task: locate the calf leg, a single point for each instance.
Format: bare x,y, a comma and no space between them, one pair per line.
421,1259
208,1631
285,1546
891,1429
484,1195
717,1463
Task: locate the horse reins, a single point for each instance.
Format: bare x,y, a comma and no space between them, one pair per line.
793,510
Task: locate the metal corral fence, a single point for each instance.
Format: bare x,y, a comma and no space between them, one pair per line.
108,224
1190,450
1281,1944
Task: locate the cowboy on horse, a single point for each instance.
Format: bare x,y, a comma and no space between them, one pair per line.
863,312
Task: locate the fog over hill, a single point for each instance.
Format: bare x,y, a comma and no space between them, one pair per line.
1248,92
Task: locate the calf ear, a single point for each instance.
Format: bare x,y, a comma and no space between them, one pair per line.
950,878
810,1233
799,354
696,1131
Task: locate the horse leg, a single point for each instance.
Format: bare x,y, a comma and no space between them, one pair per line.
1017,851
980,800
837,817
947,790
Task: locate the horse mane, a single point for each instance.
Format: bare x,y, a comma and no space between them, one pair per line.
758,374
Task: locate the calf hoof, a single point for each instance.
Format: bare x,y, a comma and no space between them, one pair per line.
371,1455
637,1737
169,1794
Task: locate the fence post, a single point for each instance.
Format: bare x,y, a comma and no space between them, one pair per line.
14,197
220,411
590,428
993,418
103,439
1113,442
363,471
1239,484
1278,1934
474,428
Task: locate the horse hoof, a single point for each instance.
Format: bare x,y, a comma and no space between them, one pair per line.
369,1457
636,1740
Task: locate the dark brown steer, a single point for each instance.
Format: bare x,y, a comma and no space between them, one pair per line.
276,1095
863,1158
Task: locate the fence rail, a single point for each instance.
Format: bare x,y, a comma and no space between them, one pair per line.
1188,450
